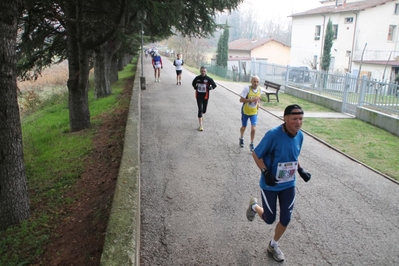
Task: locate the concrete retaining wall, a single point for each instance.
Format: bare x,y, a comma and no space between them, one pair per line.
122,240
381,120
314,98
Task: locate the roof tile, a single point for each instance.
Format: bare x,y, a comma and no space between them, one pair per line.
347,7
250,44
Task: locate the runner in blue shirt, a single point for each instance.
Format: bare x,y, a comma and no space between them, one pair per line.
157,65
277,157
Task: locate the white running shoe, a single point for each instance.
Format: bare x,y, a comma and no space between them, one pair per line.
250,212
278,255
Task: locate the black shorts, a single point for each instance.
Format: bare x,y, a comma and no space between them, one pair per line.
178,72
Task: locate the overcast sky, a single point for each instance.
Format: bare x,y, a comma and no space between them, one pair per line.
278,8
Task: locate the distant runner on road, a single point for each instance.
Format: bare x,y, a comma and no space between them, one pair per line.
277,158
178,63
157,65
202,84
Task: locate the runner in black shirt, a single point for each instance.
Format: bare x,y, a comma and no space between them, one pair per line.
202,84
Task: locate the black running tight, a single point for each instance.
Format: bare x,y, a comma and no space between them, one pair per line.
202,104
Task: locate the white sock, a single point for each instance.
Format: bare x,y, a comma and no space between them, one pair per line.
273,243
253,206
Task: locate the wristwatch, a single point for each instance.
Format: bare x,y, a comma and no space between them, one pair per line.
264,170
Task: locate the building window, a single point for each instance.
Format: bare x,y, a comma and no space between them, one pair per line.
317,32
391,32
335,29
349,20
396,9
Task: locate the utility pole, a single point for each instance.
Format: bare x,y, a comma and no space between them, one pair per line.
142,50
360,69
361,61
389,58
142,16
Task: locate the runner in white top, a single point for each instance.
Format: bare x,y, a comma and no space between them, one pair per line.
178,63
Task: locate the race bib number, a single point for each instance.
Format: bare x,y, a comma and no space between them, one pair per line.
253,104
201,88
286,171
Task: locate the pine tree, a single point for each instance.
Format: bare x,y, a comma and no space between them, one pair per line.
225,51
328,42
223,48
219,51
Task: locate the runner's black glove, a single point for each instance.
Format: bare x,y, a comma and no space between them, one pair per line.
305,175
269,178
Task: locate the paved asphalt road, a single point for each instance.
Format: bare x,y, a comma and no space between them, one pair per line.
196,187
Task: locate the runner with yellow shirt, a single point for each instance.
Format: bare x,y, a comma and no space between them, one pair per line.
250,97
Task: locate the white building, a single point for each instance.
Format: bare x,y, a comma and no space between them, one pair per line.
365,37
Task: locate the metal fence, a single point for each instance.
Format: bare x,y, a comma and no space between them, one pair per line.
378,95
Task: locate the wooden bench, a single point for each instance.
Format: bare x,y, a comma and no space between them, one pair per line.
275,88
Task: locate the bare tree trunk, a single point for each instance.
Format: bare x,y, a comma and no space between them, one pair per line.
114,69
79,114
106,68
14,201
121,62
78,80
80,42
102,72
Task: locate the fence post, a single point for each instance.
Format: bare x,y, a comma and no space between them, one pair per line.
253,67
286,76
363,87
345,95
